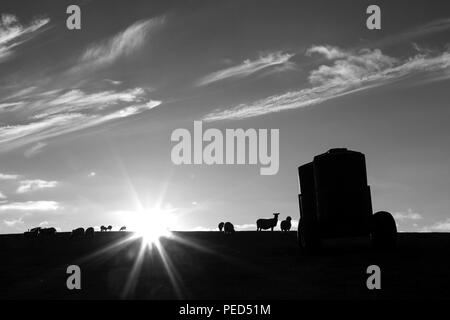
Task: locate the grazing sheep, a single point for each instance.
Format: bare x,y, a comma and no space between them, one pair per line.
103,228
33,233
47,231
228,228
286,224
221,226
123,228
89,232
109,228
77,233
265,224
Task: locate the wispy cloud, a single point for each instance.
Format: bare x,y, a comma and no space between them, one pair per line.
4,176
246,68
432,27
34,114
408,215
14,222
34,150
440,226
121,45
13,33
59,112
33,185
9,106
30,206
78,100
348,72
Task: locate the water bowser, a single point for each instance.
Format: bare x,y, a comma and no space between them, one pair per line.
335,202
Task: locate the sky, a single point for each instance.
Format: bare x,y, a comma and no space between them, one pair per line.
86,116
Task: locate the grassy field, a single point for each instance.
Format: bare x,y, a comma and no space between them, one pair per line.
211,265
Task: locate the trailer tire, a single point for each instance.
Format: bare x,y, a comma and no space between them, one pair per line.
383,231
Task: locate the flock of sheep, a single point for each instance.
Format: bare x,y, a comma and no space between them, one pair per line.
227,228
76,233
261,224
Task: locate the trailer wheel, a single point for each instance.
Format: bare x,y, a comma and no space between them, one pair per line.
308,237
383,230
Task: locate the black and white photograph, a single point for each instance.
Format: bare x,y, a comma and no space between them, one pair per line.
227,150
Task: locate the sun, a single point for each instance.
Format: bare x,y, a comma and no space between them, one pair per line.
151,225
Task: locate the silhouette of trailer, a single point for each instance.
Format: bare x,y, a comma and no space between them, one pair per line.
335,202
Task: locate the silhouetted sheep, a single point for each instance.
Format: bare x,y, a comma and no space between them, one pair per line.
47,231
76,233
33,233
89,232
123,228
265,224
286,225
109,228
228,228
221,226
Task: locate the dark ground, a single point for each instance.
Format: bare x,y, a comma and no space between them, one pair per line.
246,265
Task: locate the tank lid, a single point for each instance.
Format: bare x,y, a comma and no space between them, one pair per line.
337,150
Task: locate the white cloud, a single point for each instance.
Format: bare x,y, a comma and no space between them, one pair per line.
50,112
123,44
440,226
34,150
247,67
114,82
57,113
2,196
408,215
246,227
77,101
436,26
329,52
14,222
153,104
10,105
30,206
4,176
347,72
33,185
13,33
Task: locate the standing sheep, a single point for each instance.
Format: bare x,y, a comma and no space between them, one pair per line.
89,232
221,226
77,233
286,224
47,231
33,233
228,228
265,224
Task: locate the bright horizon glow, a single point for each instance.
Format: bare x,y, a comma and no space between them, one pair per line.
151,225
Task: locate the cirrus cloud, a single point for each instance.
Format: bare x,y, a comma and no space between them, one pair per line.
121,45
247,68
33,185
30,206
13,33
347,72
